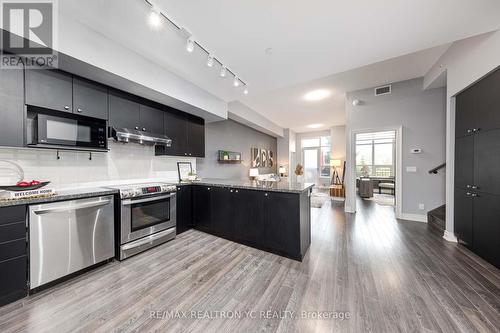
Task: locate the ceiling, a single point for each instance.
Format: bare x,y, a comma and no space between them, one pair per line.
282,47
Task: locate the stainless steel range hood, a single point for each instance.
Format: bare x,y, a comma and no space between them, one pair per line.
141,137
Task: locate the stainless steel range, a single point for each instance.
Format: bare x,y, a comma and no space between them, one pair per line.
147,216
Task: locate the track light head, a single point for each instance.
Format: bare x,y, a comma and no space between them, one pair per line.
223,71
210,60
245,91
236,82
154,18
190,45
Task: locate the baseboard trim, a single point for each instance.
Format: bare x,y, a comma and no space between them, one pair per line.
348,209
450,237
414,217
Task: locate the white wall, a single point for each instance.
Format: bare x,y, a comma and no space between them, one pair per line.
124,162
247,116
464,63
422,117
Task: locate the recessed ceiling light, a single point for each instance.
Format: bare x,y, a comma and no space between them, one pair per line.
317,95
154,19
315,125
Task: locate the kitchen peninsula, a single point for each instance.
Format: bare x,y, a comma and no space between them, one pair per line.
272,216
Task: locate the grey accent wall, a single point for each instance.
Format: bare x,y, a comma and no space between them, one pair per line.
422,114
232,136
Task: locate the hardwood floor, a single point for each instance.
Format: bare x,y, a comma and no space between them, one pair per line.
388,275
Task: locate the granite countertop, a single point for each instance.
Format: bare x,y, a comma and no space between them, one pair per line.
60,195
281,186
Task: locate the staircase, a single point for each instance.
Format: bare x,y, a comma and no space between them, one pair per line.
436,220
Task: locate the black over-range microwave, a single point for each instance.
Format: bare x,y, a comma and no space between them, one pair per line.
69,131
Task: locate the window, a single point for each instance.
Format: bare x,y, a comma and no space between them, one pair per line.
321,145
375,154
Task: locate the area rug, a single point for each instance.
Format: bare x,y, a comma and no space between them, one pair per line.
318,199
382,199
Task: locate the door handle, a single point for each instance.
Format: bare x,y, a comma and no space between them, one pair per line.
66,208
129,202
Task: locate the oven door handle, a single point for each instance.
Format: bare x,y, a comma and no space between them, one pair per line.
129,202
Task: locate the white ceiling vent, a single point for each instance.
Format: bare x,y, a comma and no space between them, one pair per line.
383,90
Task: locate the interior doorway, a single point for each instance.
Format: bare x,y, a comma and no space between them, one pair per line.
374,168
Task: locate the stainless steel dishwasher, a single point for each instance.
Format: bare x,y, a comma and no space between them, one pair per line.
68,236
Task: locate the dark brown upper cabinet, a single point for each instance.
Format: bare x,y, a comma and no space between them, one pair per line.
151,119
90,99
187,134
50,89
478,107
123,112
11,108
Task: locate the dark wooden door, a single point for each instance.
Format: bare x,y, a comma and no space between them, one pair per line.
249,217
202,215
487,101
486,228
184,208
90,99
222,212
487,161
151,119
464,166
12,108
123,113
464,216
280,229
50,89
176,129
196,138
465,119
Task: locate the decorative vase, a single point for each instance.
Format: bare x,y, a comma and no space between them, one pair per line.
192,178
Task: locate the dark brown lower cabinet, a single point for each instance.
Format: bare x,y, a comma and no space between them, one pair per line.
486,227
184,218
463,217
272,221
13,254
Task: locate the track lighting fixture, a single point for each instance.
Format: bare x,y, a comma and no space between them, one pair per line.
236,82
190,45
157,18
223,71
210,60
154,18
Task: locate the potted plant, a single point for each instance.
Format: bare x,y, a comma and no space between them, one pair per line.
225,155
192,175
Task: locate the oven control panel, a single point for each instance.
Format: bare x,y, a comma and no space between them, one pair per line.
145,190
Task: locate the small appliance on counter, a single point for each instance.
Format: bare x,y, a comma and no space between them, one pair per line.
146,217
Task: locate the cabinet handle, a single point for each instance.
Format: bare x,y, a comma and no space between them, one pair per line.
208,188
476,129
185,154
236,191
231,191
475,187
468,194
190,154
475,195
66,107
468,186
265,194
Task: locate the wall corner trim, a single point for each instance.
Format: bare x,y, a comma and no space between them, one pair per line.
450,237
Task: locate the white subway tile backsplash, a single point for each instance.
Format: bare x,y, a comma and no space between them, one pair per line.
123,163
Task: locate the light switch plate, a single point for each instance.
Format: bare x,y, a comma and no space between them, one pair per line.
421,206
411,169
